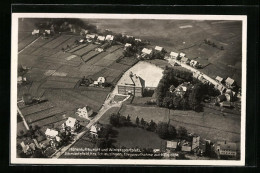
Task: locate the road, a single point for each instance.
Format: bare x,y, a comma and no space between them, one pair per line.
171,61
106,106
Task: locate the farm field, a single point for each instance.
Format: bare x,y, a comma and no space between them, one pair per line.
189,40
208,124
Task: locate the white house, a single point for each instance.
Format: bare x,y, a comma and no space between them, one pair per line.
127,45
90,36
99,49
85,112
94,130
51,133
109,37
138,40
72,123
182,55
146,51
230,82
158,48
174,55
101,80
101,38
219,79
35,32
47,31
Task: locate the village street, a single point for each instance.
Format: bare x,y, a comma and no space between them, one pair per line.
109,103
195,71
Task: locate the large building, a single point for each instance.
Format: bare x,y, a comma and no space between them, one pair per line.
132,84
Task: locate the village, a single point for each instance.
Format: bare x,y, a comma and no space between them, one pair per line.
101,71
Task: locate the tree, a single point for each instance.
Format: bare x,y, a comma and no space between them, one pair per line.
162,130
22,132
142,122
152,126
114,119
182,132
171,132
137,121
221,48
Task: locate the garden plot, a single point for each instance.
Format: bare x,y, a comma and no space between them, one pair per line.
85,50
34,90
28,51
36,74
96,58
69,42
109,74
42,115
26,42
41,42
58,85
23,35
57,41
90,55
77,48
61,61
130,61
44,52
36,108
110,58
104,62
27,60
50,120
63,79
90,69
113,48
70,71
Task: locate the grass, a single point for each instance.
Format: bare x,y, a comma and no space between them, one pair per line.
131,137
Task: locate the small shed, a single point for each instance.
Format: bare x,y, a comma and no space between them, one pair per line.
219,79
158,48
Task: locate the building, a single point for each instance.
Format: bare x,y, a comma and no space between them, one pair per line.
72,123
127,45
146,52
90,36
101,38
185,60
84,112
171,144
224,148
182,55
172,88
51,133
186,147
174,55
101,80
47,31
99,49
132,84
194,63
94,130
158,48
138,40
196,74
219,79
220,87
195,142
109,37
230,83
36,32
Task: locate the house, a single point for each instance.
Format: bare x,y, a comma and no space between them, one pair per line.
230,82
36,32
186,147
196,74
127,45
174,55
202,79
47,31
131,84
185,60
138,40
221,98
172,88
225,104
51,133
158,48
99,49
84,112
94,130
219,79
220,87
81,40
21,79
146,52
101,80
229,96
181,89
101,38
195,142
90,36
182,55
109,37
27,149
194,63
72,123
224,148
171,144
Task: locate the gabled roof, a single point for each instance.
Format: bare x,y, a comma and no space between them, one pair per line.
101,38
93,129
128,45
71,122
220,79
158,48
174,54
50,132
184,59
230,81
182,54
171,144
133,80
110,37
147,51
224,145
90,36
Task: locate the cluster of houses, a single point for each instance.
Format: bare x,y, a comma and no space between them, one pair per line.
200,147
44,33
97,83
97,39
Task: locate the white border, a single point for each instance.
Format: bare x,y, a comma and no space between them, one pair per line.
13,93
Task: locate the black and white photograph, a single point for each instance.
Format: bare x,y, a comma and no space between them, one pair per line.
128,89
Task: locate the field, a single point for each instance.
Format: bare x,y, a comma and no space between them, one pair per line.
209,124
131,137
189,40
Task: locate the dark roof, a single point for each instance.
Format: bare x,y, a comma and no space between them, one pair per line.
224,145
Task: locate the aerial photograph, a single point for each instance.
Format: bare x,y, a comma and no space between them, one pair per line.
129,89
